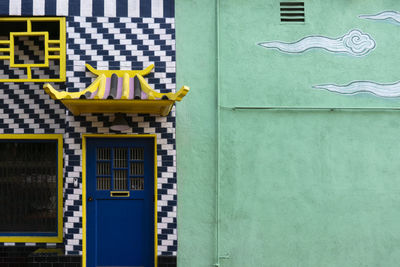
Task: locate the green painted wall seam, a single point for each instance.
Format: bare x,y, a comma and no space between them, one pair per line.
218,137
313,108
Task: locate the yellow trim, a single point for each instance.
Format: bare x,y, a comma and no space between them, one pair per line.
31,80
107,106
61,42
54,94
84,137
119,73
154,94
57,251
30,18
29,72
125,86
53,57
43,239
63,54
83,200
46,57
28,25
155,203
102,87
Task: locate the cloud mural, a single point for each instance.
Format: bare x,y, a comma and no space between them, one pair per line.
354,43
377,89
389,16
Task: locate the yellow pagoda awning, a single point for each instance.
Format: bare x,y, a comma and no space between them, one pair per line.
119,91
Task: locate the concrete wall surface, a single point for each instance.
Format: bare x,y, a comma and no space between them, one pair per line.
310,177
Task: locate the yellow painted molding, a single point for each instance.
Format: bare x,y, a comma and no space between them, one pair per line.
32,136
58,251
120,73
110,106
154,94
57,95
29,72
102,87
28,18
53,56
125,86
83,200
46,58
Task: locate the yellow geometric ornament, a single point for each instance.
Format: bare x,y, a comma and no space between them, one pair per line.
47,30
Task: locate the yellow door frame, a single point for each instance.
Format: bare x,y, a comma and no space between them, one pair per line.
84,137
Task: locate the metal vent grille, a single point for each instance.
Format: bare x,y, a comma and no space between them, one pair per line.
292,12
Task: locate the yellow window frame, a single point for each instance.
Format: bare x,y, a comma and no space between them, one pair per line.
58,45
43,239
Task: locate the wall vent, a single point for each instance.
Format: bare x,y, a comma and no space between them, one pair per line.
292,12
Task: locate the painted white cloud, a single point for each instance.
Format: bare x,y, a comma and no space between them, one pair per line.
354,43
378,89
389,16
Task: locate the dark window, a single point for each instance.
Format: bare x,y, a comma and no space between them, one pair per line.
52,27
28,187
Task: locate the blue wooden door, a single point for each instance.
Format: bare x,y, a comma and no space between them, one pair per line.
120,202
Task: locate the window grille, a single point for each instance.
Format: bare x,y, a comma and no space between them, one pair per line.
113,172
28,186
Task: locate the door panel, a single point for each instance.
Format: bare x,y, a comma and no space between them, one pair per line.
120,202
109,233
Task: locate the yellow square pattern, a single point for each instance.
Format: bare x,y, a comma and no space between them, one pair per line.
54,48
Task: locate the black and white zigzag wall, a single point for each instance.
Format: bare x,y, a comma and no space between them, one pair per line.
89,8
106,39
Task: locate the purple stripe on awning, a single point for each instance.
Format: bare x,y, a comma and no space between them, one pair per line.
107,90
143,95
131,88
93,94
119,88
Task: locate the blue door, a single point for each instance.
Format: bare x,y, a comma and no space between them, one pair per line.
120,202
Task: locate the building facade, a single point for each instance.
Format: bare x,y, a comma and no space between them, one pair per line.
50,42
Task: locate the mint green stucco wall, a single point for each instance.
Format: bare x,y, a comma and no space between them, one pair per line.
297,187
